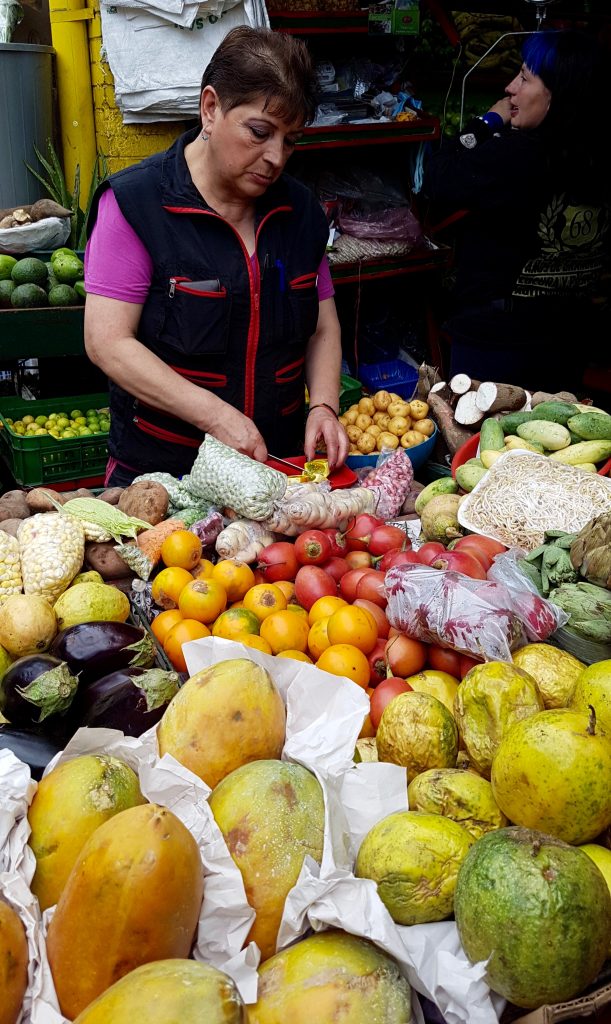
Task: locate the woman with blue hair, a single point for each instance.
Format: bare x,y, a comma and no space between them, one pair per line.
532,250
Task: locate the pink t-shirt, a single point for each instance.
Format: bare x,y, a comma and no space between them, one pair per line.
118,266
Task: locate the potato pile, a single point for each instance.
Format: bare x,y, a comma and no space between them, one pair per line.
385,420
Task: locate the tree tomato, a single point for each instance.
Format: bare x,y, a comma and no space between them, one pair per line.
312,547
336,567
348,582
487,544
312,582
383,694
378,614
386,538
277,561
460,561
377,663
430,551
339,546
444,660
398,557
466,664
359,534
472,547
359,560
405,656
371,587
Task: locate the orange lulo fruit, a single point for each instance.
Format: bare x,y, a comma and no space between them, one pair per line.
324,607
355,626
235,621
203,568
253,640
285,631
346,660
203,599
162,623
295,656
181,633
167,586
265,598
235,576
182,548
132,897
318,639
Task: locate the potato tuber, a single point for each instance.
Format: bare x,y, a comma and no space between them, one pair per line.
14,506
146,500
38,499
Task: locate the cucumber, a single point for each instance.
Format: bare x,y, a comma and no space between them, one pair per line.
444,485
511,422
556,412
585,451
490,457
468,476
550,434
491,436
591,426
519,444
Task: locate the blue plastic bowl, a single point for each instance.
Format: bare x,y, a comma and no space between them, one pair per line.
417,455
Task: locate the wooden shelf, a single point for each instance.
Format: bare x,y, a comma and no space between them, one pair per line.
371,133
416,262
319,23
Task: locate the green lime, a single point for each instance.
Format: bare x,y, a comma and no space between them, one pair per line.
6,265
41,420
75,413
62,252
62,422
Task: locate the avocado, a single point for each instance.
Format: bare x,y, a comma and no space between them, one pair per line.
29,271
28,296
51,278
62,252
79,287
6,290
68,269
63,295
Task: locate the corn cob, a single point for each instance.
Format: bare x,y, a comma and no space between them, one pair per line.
10,567
52,548
100,520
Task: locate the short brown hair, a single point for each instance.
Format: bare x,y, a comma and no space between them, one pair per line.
254,62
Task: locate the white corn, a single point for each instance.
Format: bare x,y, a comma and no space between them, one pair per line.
10,566
52,548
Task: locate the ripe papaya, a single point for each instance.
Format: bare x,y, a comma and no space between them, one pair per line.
132,897
13,964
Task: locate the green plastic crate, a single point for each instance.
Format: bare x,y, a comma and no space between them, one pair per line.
42,459
350,390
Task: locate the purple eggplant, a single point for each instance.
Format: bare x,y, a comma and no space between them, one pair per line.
29,746
130,699
93,649
36,691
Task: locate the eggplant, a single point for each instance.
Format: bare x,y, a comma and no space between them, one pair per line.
94,649
33,748
130,699
36,691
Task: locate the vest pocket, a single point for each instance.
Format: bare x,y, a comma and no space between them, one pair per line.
197,317
304,307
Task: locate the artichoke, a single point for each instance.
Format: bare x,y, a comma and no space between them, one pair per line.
591,551
589,610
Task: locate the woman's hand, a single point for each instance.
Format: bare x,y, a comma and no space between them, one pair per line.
503,109
236,430
323,425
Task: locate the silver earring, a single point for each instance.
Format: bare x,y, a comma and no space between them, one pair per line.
205,137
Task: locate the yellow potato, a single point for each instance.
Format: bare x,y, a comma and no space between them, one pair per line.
353,432
363,421
418,409
399,424
381,419
342,420
366,443
367,406
412,438
425,427
382,400
351,416
399,408
387,440
374,430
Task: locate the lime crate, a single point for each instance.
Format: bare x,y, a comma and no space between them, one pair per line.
350,390
42,459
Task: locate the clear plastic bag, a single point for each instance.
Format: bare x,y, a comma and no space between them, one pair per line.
374,222
482,618
391,481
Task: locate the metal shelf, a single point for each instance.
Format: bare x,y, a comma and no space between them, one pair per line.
319,23
374,133
417,262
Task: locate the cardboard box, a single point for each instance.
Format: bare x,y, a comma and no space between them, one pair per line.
593,1005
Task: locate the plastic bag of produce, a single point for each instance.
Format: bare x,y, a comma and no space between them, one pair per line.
226,478
482,618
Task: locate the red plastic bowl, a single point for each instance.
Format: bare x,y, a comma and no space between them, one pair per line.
469,451
342,477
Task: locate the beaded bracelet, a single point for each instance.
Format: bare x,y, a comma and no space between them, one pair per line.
323,405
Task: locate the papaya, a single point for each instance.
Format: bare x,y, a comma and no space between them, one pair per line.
69,804
272,815
13,964
331,976
224,717
169,992
132,897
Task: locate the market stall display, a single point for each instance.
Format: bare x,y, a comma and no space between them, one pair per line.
322,694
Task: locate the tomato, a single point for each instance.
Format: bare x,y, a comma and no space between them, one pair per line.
444,660
312,582
466,664
386,538
312,547
356,626
339,546
371,587
377,612
405,656
359,534
336,567
383,695
278,561
348,582
377,663
477,541
202,599
430,551
359,560
460,561
398,557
